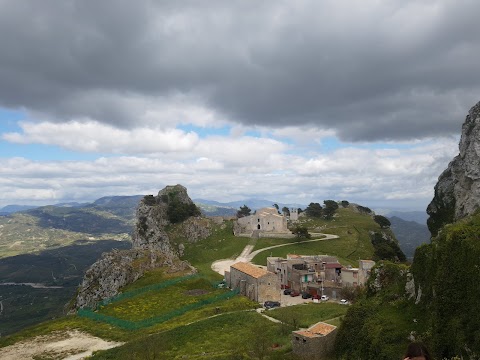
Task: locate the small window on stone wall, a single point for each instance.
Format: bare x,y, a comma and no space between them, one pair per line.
297,338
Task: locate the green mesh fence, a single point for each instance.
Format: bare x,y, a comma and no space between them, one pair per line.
132,293
134,325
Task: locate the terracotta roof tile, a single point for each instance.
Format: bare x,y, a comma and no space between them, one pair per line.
250,269
319,329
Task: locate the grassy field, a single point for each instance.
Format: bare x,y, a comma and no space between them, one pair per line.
353,243
222,244
228,328
308,314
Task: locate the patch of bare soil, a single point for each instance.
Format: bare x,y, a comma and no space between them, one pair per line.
196,292
68,345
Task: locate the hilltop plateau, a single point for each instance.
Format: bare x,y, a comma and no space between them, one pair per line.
165,284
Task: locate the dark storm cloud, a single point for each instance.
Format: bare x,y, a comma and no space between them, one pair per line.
370,70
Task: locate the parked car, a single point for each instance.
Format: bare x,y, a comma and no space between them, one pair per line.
344,302
306,295
324,298
316,297
287,291
294,293
271,304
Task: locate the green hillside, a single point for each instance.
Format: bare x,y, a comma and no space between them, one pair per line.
446,315
164,315
53,227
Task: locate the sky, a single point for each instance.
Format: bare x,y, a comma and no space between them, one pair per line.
293,101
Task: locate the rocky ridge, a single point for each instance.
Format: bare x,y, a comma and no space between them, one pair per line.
151,246
457,192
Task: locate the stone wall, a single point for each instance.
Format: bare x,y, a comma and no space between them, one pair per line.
315,347
268,288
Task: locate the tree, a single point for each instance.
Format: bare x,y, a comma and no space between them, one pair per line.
277,207
345,203
330,208
301,232
286,211
364,209
314,210
382,221
244,211
351,293
178,211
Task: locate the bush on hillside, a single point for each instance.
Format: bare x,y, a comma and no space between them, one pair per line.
447,272
382,221
386,248
364,209
178,211
301,232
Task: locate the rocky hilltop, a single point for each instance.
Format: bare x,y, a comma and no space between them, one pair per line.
151,245
457,193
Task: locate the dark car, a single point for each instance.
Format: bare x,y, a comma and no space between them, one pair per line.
271,304
287,291
294,293
306,295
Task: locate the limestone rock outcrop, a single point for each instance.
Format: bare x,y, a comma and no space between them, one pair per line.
151,245
457,192
118,268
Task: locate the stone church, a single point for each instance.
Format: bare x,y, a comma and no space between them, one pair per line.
265,220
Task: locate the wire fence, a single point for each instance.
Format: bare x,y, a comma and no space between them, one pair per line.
140,324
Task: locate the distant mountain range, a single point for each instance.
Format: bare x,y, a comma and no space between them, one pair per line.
417,216
125,206
410,234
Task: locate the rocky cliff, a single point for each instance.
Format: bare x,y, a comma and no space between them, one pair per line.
151,245
457,193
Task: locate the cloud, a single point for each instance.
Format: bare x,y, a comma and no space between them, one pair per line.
260,167
369,71
99,138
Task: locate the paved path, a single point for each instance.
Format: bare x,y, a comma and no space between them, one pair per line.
247,254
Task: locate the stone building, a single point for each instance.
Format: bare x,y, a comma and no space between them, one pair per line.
253,282
265,220
314,343
364,269
293,214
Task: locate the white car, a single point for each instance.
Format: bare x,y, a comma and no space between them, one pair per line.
324,298
344,302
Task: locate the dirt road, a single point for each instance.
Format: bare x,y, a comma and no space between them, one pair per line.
220,266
